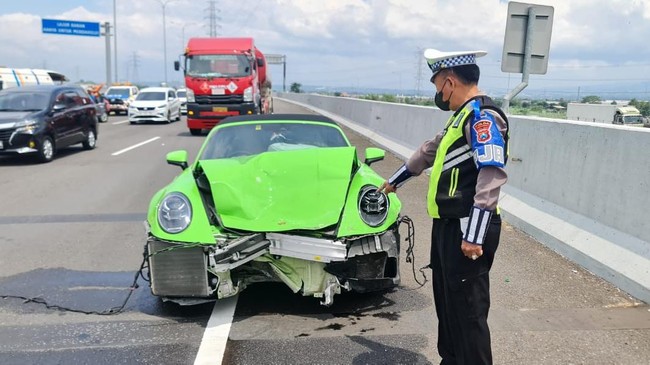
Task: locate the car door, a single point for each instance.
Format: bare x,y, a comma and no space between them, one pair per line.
61,121
173,103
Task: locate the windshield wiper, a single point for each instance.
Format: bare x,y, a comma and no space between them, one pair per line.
11,110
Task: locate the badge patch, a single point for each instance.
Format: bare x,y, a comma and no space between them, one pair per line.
482,129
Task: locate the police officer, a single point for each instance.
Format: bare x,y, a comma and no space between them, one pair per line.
467,159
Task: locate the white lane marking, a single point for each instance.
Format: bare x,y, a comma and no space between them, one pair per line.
215,337
121,122
134,146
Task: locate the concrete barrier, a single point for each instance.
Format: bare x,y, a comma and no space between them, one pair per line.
581,188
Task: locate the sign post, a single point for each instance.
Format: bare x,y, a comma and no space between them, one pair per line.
527,43
85,29
279,59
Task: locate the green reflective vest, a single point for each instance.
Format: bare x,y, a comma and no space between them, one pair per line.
452,185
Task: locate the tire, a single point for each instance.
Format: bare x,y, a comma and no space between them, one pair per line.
103,118
46,150
91,140
195,132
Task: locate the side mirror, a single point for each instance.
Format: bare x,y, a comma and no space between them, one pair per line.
58,107
260,62
374,154
177,65
178,158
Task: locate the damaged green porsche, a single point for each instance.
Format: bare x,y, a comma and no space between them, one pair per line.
273,198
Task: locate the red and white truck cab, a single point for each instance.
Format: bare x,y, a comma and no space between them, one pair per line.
223,77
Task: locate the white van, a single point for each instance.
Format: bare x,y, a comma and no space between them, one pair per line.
13,77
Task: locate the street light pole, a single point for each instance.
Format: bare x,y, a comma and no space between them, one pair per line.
117,79
164,3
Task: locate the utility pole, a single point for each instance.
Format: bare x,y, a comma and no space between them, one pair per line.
107,35
418,77
136,65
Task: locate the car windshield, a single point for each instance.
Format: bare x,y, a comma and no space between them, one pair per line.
23,101
118,92
181,94
632,119
256,138
218,65
151,95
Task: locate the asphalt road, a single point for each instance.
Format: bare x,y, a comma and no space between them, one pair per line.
71,233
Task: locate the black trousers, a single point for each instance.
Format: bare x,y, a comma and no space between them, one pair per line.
461,292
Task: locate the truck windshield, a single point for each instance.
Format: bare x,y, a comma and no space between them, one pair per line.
633,119
229,65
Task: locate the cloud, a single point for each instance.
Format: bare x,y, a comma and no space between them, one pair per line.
341,42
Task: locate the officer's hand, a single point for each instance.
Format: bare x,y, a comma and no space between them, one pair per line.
386,188
471,250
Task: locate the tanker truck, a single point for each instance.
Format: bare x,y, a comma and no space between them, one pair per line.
223,77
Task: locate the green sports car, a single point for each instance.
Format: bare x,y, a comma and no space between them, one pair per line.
273,198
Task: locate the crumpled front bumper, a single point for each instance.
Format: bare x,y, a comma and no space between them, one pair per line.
312,266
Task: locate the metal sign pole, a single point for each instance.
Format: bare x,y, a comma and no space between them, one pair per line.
107,35
530,27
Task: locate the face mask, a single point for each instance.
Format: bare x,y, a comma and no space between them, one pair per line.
443,105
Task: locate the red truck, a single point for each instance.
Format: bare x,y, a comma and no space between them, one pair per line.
224,77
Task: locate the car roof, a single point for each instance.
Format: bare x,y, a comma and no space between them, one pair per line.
278,117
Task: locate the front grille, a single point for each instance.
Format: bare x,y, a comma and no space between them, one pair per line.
5,134
219,99
116,101
152,108
178,272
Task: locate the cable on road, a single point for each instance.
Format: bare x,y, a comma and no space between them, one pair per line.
410,256
108,312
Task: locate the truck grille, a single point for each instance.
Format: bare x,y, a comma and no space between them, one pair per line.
178,273
219,99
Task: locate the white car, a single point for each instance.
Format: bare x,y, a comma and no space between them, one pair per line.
155,104
182,95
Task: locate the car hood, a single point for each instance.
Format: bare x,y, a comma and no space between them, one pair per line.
12,117
281,191
148,103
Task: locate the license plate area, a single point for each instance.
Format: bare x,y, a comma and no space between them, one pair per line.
219,109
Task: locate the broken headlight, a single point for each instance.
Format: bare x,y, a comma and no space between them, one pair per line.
373,206
174,213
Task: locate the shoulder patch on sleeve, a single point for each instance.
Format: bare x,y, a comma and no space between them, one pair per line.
482,130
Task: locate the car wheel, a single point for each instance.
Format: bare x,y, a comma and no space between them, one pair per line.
195,132
91,140
46,149
103,118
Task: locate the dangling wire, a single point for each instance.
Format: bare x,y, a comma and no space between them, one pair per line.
410,256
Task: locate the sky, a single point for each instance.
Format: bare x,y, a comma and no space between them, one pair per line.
343,45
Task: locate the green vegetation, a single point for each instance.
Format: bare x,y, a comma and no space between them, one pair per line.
296,87
643,106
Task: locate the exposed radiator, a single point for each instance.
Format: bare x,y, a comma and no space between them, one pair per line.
178,273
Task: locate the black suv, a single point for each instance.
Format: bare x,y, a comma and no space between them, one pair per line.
41,119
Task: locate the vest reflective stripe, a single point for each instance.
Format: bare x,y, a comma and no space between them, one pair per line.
453,132
460,159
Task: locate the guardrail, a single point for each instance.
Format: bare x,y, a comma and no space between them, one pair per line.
583,189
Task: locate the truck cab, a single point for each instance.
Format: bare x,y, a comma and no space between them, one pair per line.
628,115
223,77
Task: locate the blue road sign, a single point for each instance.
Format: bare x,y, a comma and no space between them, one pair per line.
70,27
